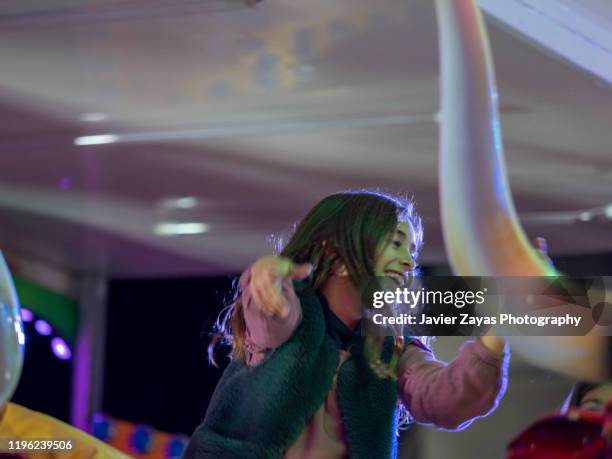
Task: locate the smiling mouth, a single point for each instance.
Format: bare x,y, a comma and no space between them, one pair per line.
397,278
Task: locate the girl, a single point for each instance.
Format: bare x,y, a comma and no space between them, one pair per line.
303,382
590,396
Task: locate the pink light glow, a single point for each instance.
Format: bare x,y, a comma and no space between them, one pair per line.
60,348
26,315
43,327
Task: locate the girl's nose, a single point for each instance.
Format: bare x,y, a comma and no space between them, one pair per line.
408,263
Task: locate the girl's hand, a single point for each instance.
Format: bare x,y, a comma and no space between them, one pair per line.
494,343
267,276
542,247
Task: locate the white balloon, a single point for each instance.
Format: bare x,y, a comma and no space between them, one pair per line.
12,338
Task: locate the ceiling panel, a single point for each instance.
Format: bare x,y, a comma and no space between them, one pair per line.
257,112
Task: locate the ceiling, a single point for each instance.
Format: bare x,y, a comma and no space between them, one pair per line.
256,112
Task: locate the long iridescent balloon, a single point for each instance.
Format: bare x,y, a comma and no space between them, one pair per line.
482,233
11,335
481,230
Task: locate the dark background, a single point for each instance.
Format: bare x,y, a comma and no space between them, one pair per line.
45,383
157,370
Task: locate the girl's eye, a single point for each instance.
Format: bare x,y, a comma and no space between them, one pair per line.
592,405
396,244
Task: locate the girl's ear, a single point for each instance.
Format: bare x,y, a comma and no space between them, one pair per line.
340,269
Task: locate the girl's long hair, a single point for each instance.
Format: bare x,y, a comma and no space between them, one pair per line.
350,227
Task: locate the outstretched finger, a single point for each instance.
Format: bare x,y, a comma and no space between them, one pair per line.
283,267
541,245
300,272
542,249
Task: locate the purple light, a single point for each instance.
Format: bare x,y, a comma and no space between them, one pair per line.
43,327
26,315
60,348
65,183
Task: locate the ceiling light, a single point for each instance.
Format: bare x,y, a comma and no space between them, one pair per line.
585,216
186,202
96,139
269,128
175,229
93,117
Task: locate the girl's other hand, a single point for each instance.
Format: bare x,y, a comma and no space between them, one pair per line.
267,276
494,343
542,247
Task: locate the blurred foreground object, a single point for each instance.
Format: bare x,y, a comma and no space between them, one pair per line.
12,338
19,423
482,233
578,434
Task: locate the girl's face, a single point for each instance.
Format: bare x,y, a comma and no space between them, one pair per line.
396,257
596,399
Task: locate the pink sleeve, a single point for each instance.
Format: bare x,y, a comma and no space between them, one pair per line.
264,332
452,395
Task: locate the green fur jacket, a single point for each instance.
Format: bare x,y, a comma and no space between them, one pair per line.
258,412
